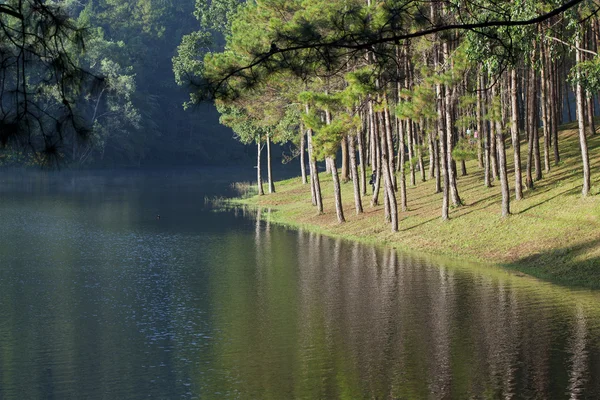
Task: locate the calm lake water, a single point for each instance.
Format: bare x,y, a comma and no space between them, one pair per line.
100,300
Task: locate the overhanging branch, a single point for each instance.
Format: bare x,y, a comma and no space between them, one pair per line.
4,9
352,44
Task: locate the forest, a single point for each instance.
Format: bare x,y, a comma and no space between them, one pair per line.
409,90
398,91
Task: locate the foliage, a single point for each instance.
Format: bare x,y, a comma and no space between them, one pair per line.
587,73
465,149
40,77
111,112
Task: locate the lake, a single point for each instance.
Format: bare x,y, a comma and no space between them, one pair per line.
100,299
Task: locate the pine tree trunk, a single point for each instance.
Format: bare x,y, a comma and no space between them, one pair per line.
480,122
446,180
514,130
554,88
545,105
487,172
440,120
537,162
269,167
337,193
493,155
456,201
438,174
581,124
302,156
345,161
590,114
401,164
530,127
314,171
355,176
502,165
411,154
448,109
485,135
259,185
493,150
362,160
388,183
431,156
376,156
443,155
536,132
390,145
420,152
311,167
503,171
372,137
566,102
387,217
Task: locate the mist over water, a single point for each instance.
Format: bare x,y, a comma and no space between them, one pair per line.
100,299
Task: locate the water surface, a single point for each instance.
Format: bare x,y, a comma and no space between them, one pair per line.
99,299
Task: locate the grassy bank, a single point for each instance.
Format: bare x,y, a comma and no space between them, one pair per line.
553,234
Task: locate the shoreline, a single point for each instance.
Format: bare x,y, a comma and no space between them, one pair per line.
553,234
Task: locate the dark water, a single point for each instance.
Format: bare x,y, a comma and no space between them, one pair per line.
100,300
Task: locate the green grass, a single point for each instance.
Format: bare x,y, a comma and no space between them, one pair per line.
553,233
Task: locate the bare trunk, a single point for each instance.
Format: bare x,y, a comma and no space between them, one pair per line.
503,172
530,128
314,172
345,161
590,114
388,183
376,166
362,160
456,201
493,154
438,174
502,168
302,157
372,135
337,193
443,156
581,124
537,163
259,185
479,116
556,120
411,154
545,104
401,164
269,168
355,176
566,103
485,136
390,145
431,156
514,130
422,166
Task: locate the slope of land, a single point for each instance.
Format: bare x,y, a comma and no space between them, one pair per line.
553,233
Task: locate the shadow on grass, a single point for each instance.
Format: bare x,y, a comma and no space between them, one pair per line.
568,191
421,224
566,265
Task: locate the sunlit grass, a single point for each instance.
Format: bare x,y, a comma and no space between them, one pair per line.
553,233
